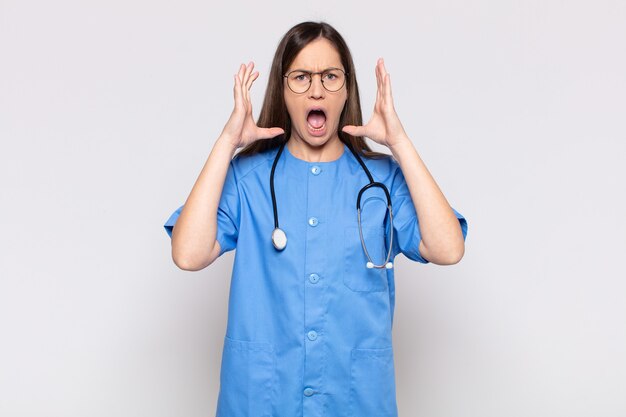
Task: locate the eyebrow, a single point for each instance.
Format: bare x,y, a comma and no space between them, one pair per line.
304,70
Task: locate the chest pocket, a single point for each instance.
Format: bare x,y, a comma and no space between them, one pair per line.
356,275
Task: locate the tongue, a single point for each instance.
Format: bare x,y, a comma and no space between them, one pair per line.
316,119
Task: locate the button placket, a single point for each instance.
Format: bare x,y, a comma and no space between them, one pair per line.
315,295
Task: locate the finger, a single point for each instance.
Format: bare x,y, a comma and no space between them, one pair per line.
235,90
384,76
382,67
253,77
381,79
388,86
268,133
354,130
238,92
246,76
379,88
247,71
242,70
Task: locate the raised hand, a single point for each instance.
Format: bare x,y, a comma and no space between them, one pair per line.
384,126
241,129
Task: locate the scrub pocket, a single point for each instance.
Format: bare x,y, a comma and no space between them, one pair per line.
372,383
246,379
356,275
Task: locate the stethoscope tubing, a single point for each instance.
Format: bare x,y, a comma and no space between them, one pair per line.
279,238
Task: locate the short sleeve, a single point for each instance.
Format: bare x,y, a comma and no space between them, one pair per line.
228,214
406,232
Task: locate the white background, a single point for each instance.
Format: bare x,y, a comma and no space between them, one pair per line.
108,111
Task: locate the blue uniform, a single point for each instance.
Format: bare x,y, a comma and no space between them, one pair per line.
309,327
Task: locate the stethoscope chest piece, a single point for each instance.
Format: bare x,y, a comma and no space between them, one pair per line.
279,239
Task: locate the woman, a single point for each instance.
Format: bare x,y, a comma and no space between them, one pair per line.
312,293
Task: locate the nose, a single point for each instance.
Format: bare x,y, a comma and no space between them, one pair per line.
316,90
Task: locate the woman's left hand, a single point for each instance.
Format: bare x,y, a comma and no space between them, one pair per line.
384,126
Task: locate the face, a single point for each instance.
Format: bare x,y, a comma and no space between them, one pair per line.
314,127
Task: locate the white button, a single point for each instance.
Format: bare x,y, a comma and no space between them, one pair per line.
316,170
313,221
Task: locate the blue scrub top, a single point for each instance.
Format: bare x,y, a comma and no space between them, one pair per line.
309,327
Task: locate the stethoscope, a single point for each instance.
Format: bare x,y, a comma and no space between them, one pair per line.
279,238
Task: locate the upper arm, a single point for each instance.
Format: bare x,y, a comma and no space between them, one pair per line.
228,215
228,218
407,235
215,252
423,251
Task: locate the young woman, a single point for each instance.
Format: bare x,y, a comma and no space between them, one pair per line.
317,219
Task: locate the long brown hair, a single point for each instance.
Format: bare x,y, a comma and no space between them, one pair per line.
274,110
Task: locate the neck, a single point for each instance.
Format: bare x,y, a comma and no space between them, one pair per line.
327,152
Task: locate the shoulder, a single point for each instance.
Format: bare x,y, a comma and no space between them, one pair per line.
383,168
386,169
243,165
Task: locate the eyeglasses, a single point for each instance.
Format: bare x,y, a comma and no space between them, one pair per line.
299,81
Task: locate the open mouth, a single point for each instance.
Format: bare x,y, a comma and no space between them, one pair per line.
316,120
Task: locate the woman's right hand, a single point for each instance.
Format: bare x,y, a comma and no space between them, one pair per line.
241,130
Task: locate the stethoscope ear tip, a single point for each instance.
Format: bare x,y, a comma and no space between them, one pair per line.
370,265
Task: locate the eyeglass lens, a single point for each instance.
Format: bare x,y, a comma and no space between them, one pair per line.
300,81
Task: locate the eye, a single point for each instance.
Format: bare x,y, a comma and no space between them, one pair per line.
300,77
331,76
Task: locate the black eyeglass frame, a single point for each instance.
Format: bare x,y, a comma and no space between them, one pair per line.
321,73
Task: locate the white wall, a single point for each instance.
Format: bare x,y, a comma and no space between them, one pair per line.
108,111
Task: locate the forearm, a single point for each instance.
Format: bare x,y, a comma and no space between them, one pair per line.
442,238
194,235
